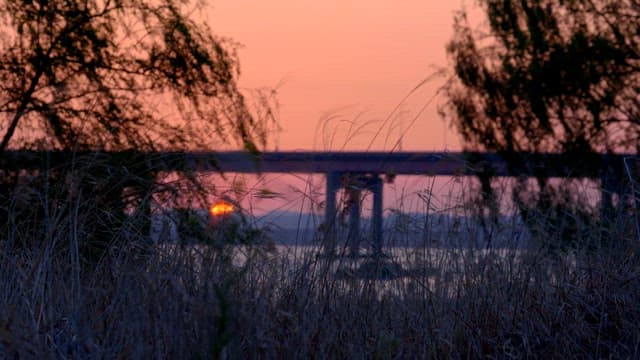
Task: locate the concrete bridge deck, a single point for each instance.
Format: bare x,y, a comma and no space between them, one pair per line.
416,163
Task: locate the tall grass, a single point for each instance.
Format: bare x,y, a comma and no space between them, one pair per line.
226,301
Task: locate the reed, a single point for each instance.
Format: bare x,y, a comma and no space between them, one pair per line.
253,301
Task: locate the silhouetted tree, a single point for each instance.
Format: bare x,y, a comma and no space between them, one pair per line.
548,76
116,75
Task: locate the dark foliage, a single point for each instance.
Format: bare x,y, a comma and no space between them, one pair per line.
116,75
559,76
112,75
549,76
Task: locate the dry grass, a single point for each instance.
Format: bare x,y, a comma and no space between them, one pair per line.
219,302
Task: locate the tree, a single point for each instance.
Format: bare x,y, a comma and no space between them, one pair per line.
115,75
552,75
549,76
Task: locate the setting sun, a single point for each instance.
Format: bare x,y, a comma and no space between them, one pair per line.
221,208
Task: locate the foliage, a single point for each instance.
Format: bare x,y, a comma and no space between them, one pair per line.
554,75
116,75
191,302
197,227
549,76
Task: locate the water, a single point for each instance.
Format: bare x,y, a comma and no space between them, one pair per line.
404,272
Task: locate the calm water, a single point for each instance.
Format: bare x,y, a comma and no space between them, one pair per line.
404,271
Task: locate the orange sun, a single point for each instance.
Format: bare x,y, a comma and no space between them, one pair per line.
221,208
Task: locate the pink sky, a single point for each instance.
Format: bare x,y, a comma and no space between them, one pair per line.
353,61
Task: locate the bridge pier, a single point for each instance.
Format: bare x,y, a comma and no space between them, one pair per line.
354,221
331,234
376,216
353,184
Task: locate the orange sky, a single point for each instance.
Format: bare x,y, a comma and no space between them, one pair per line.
348,61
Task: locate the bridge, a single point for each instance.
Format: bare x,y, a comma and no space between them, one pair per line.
354,171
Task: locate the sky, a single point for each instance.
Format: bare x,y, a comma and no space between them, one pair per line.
342,69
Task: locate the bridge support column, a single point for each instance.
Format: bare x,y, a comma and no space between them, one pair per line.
354,221
333,184
376,217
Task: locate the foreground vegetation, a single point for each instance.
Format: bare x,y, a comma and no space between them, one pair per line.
222,301
79,277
